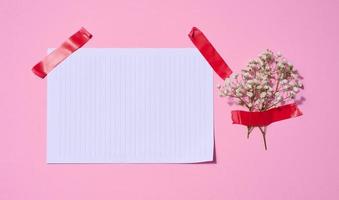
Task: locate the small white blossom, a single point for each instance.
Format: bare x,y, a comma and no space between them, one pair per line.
295,89
234,76
250,94
284,81
250,81
300,85
292,94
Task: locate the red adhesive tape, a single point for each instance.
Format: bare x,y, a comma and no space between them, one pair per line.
210,53
73,43
266,117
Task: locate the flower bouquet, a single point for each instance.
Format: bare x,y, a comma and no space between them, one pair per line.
267,82
267,86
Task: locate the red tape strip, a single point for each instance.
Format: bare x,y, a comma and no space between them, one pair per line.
210,53
58,55
266,117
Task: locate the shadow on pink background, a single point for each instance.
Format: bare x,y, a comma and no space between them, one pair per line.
302,159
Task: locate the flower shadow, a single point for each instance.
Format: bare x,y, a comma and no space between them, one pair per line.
300,100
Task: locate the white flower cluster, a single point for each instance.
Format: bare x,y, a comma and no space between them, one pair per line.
266,82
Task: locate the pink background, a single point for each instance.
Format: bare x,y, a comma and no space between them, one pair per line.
302,160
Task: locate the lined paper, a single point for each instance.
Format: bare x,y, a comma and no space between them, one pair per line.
130,105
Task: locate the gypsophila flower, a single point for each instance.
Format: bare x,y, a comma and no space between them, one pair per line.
266,82
270,78
250,94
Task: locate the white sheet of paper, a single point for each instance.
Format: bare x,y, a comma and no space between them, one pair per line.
130,105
